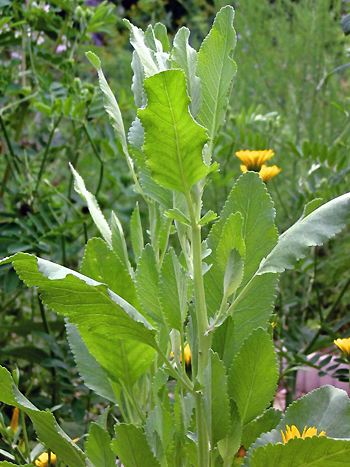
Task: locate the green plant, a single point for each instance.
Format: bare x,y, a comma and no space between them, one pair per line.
129,316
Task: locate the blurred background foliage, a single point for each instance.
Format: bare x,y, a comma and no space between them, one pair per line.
291,95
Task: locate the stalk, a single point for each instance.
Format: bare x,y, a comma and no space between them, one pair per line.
203,397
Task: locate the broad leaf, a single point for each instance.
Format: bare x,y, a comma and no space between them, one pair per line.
185,57
312,230
221,411
93,206
98,447
102,318
263,423
173,140
216,70
46,427
316,452
253,375
132,448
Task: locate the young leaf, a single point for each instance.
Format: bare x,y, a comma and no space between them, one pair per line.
318,452
173,140
98,447
312,230
136,233
132,448
185,57
119,243
45,425
253,375
209,216
177,215
173,291
161,34
92,205
216,70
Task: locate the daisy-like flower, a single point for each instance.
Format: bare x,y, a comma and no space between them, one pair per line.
266,172
43,459
254,160
343,345
292,432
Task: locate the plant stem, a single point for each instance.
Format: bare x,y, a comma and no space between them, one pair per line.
25,436
203,398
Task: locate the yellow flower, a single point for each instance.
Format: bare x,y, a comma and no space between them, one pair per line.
14,420
253,160
293,432
266,172
187,354
43,459
343,345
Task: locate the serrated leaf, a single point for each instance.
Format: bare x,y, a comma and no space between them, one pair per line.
147,285
137,81
173,140
263,423
136,232
185,57
93,206
93,375
220,407
132,448
313,230
253,375
98,447
160,431
45,425
177,215
103,319
311,206
119,242
209,216
216,70
173,291
316,452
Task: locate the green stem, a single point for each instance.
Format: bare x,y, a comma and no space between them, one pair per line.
203,398
25,436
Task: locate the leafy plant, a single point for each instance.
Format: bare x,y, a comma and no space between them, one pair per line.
130,317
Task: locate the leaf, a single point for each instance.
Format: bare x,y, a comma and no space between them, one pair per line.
119,243
93,206
216,70
263,423
220,407
316,452
173,291
209,216
147,285
253,375
313,230
103,319
160,431
177,215
132,448
45,425
110,103
185,57
103,265
94,377
326,408
161,34
137,81
173,140
98,447
146,55
136,232
311,206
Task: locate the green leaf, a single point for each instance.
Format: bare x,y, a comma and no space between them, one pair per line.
185,57
137,82
253,375
110,103
220,407
173,140
132,448
216,70
177,215
147,285
119,243
173,291
311,206
326,408
312,230
136,232
209,216
147,56
103,265
160,431
93,206
161,33
93,375
45,425
263,423
316,452
98,447
104,320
